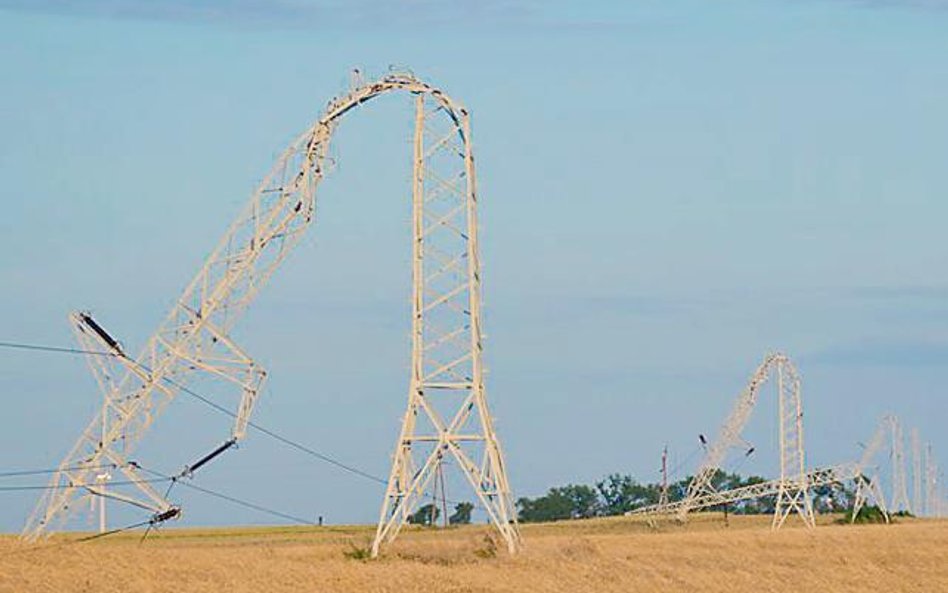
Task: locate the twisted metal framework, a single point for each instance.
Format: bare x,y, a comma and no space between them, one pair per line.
792,488
447,410
836,474
866,487
926,499
889,430
870,487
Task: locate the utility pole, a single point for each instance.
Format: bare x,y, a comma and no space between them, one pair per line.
663,495
444,496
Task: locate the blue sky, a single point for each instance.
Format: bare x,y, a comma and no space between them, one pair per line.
669,191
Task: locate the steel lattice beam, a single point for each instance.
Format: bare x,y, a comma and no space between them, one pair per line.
194,338
793,486
446,337
836,474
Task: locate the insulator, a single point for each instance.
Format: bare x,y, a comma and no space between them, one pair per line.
165,515
202,461
100,331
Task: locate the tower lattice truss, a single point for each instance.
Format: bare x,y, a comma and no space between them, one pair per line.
447,415
884,459
792,489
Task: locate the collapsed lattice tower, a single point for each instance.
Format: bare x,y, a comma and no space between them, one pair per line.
792,490
447,414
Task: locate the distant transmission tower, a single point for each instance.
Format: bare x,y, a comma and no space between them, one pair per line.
932,495
447,414
900,499
792,490
917,507
663,494
869,481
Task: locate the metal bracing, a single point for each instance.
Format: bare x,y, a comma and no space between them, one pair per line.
837,474
103,370
792,487
446,414
888,431
194,338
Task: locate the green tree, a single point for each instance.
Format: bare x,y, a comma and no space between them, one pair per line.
584,499
867,514
565,502
425,515
622,493
552,507
462,514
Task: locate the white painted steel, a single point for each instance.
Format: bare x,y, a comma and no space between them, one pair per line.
792,488
194,338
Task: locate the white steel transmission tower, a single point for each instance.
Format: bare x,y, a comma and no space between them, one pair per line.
869,481
917,507
701,493
933,501
900,498
447,413
792,489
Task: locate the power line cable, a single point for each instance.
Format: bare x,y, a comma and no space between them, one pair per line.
95,484
674,471
206,401
278,437
37,472
272,434
222,496
89,538
44,348
72,542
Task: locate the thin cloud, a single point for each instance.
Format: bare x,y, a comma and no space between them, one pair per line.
921,4
907,4
900,293
288,13
882,353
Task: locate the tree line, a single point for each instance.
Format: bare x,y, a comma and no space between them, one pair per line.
617,494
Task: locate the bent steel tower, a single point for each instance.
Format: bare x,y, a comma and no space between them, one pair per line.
792,489
447,413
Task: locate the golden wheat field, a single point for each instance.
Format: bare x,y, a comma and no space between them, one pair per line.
617,554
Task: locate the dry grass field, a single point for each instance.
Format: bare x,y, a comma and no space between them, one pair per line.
598,555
